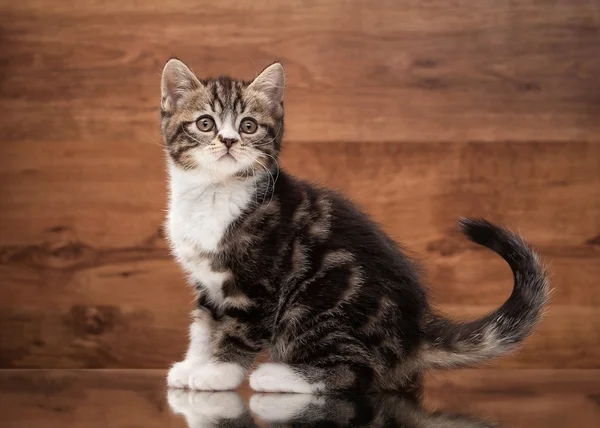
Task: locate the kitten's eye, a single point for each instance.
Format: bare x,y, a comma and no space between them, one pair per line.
205,123
248,126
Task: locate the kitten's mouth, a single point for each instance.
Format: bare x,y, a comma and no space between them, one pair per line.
227,156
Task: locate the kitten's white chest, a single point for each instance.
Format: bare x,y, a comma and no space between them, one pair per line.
199,225
199,215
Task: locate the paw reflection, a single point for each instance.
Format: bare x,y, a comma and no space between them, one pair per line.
206,409
283,407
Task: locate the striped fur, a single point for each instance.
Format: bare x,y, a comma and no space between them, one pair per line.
282,264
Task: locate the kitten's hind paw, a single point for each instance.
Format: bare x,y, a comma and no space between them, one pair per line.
275,377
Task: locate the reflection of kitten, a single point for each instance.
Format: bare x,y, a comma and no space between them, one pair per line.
280,263
225,409
385,411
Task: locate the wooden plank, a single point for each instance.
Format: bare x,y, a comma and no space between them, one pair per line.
517,382
390,71
87,280
127,336
416,191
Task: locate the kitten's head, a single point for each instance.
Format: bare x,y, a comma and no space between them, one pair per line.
223,127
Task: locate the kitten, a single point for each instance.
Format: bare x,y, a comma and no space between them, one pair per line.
277,262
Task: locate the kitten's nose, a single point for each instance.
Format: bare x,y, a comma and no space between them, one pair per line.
227,141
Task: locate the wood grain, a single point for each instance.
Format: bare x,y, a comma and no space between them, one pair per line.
125,398
391,71
87,281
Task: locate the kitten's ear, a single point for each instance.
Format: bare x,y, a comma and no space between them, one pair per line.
177,80
270,82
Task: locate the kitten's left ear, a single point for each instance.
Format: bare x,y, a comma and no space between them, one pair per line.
177,80
270,82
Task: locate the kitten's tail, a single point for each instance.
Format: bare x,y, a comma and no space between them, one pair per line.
451,344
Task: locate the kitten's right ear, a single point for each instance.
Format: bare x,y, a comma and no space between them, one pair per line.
177,80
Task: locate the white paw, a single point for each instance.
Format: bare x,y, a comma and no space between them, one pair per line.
273,377
216,377
179,374
204,408
281,407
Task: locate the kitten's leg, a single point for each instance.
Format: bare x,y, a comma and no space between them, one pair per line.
199,350
236,341
315,355
307,379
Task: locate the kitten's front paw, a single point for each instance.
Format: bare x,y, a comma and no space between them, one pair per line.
216,377
179,375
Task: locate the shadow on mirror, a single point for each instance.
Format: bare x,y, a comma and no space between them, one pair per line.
226,409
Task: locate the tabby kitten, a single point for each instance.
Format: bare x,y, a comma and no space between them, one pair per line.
279,263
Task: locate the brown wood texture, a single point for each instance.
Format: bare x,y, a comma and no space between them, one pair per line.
393,102
395,70
126,398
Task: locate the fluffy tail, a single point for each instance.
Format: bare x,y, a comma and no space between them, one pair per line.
451,344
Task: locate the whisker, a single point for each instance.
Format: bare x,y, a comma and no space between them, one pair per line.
268,182
269,177
264,143
193,139
266,170
277,177
152,140
253,176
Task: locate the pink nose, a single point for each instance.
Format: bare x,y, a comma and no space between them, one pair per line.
227,141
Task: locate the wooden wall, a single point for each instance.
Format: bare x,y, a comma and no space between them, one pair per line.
421,111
